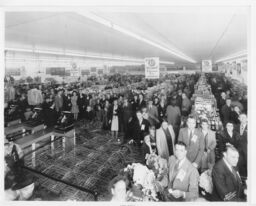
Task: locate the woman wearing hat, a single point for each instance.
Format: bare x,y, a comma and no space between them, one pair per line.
114,119
74,109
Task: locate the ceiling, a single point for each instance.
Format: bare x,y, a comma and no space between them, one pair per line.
198,32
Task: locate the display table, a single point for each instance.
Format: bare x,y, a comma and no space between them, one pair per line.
205,104
13,129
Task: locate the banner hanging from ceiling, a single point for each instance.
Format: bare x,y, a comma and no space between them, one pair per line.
152,68
207,66
74,71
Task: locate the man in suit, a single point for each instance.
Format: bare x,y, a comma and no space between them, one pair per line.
222,100
102,101
179,98
22,106
87,100
165,140
80,103
244,102
66,101
242,145
186,105
226,112
135,103
174,116
227,184
183,176
126,116
141,102
58,101
152,113
229,136
208,159
50,116
194,140
139,128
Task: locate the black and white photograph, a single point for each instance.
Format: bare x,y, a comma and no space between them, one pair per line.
127,104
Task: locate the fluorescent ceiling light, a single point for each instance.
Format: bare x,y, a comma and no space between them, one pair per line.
166,62
233,56
33,59
136,36
34,51
74,54
141,61
63,60
19,50
103,57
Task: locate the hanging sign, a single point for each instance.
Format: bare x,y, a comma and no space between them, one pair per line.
207,66
152,68
75,71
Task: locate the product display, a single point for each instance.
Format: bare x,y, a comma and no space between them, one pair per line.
205,105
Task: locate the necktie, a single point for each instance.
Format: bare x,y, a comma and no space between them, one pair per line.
175,172
242,129
190,137
236,175
176,167
206,141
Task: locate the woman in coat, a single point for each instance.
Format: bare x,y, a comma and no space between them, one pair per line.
74,109
114,114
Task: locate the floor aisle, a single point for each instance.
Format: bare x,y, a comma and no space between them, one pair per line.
91,163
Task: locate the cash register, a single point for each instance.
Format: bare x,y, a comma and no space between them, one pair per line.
11,115
36,118
65,122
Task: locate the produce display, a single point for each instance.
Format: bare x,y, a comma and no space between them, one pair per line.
205,105
237,87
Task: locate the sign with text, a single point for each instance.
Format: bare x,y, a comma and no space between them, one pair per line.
93,69
85,72
13,71
75,70
152,68
56,71
207,66
74,73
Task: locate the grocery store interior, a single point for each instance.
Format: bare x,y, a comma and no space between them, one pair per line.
126,105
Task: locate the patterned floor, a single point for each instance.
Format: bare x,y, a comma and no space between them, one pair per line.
90,163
